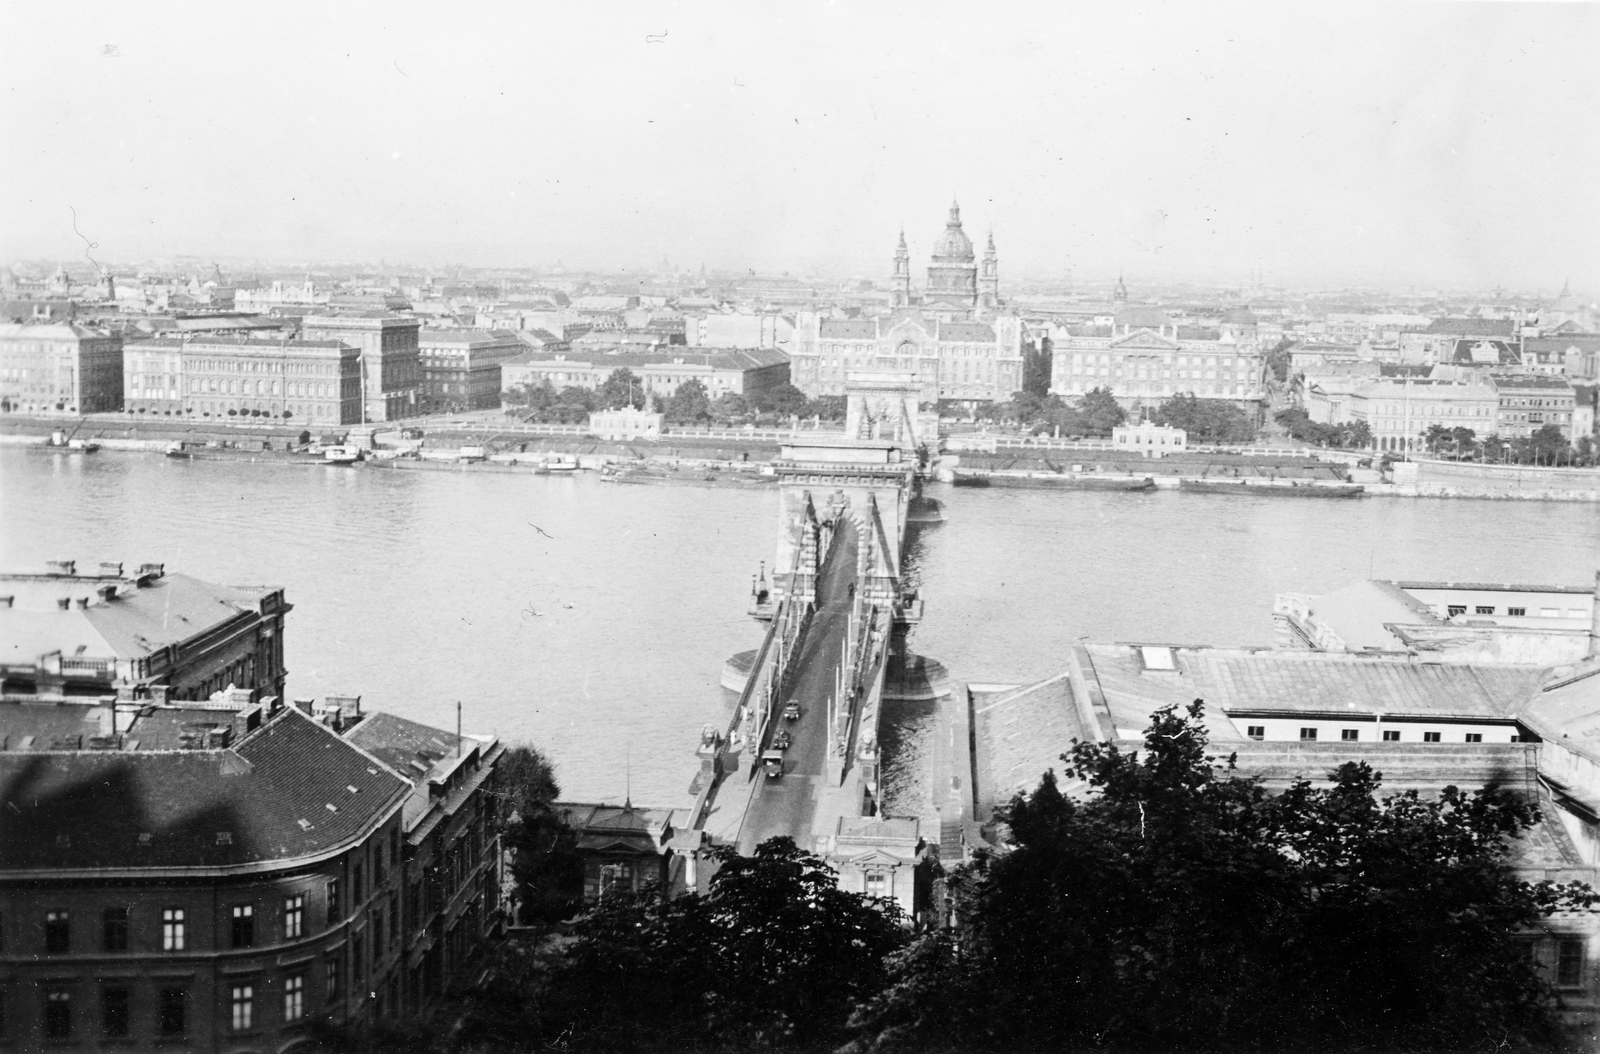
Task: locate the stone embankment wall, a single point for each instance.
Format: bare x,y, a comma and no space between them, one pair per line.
1465,479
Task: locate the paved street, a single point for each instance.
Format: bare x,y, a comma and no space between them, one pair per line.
789,805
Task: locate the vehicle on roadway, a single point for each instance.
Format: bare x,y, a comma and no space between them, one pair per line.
782,740
791,712
772,764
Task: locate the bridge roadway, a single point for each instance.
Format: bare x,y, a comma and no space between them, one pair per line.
792,804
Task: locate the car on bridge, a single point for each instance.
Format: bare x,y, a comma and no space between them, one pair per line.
791,712
782,740
772,764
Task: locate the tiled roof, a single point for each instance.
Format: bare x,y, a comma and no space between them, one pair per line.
1021,733
848,329
410,748
1532,381
1138,317
290,789
966,331
1473,327
433,337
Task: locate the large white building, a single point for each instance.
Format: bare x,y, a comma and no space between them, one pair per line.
955,335
1145,358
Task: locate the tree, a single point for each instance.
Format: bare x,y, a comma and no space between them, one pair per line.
827,407
1208,420
621,388
1177,905
689,404
1036,368
774,954
1098,412
784,399
730,408
545,860
1549,445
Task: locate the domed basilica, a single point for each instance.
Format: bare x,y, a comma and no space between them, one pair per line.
953,337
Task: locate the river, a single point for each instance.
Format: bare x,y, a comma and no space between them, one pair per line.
593,619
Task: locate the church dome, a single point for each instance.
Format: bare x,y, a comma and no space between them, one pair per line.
953,243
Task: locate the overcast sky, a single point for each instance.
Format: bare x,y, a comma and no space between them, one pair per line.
1434,144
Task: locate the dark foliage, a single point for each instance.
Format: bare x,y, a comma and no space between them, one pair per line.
1207,420
545,860
774,955
1182,907
1355,435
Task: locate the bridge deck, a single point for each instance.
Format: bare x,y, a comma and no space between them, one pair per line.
795,803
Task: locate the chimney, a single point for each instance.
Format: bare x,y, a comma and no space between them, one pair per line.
61,567
304,705
158,694
110,570
107,592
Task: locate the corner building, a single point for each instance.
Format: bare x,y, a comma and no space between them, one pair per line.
159,896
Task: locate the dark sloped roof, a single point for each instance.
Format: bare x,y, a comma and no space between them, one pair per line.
267,799
849,329
398,743
970,331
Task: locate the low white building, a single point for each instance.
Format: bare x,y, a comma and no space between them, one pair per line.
625,425
1149,440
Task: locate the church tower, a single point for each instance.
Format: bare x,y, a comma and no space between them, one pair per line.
953,275
902,275
1119,295
989,278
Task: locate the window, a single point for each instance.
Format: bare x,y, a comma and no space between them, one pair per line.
377,932
1474,737
330,976
58,1014
244,925
1256,731
1391,735
1569,964
355,958
1308,733
172,931
114,1011
356,885
1516,611
1349,735
57,932
1456,609
294,997
293,916
1430,737
1483,609
244,1007
170,1011
114,929
333,901
877,884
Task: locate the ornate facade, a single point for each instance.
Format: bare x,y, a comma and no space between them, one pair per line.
954,335
1145,358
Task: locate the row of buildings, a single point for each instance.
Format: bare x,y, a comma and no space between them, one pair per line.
188,860
335,369
1400,405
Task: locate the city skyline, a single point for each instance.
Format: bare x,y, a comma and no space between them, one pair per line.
1385,145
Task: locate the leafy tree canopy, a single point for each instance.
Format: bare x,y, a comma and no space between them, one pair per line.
1176,905
1207,420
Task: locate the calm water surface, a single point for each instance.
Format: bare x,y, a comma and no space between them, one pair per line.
594,619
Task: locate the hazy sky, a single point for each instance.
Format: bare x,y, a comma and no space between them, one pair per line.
1380,143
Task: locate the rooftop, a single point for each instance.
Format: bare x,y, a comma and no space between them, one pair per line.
290,789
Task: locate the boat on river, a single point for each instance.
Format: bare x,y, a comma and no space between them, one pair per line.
1052,481
1273,488
341,455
